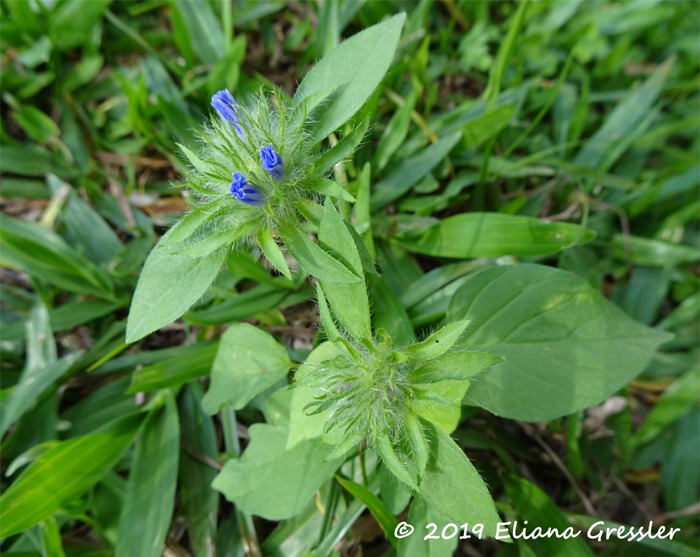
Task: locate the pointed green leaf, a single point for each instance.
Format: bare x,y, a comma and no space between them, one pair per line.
248,361
272,252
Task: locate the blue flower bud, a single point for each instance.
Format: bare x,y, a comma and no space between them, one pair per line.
245,192
225,105
272,162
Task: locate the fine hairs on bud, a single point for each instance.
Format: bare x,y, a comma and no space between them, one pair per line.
253,170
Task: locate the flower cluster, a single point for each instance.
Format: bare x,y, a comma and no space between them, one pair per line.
371,392
254,171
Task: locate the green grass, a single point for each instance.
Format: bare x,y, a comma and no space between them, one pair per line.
575,113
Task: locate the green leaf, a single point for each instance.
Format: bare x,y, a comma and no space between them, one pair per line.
419,516
440,403
334,237
42,253
313,259
387,452
533,505
388,313
350,306
168,286
624,118
248,361
454,366
271,481
341,150
452,484
472,235
273,253
646,251
205,31
324,311
150,493
438,343
184,228
565,346
251,302
301,425
411,171
477,131
375,505
199,501
63,473
394,133
192,361
73,21
31,384
331,188
675,401
394,493
355,67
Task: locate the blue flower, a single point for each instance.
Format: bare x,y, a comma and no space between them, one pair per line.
225,105
245,192
272,162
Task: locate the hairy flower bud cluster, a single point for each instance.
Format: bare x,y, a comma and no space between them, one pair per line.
255,169
390,399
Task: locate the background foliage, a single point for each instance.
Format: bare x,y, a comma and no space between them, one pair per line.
579,112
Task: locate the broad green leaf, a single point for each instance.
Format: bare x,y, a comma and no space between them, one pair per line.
375,505
438,343
565,346
272,481
355,67
411,171
167,287
472,235
248,361
150,493
192,361
199,501
313,259
273,253
451,484
533,506
419,516
63,473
